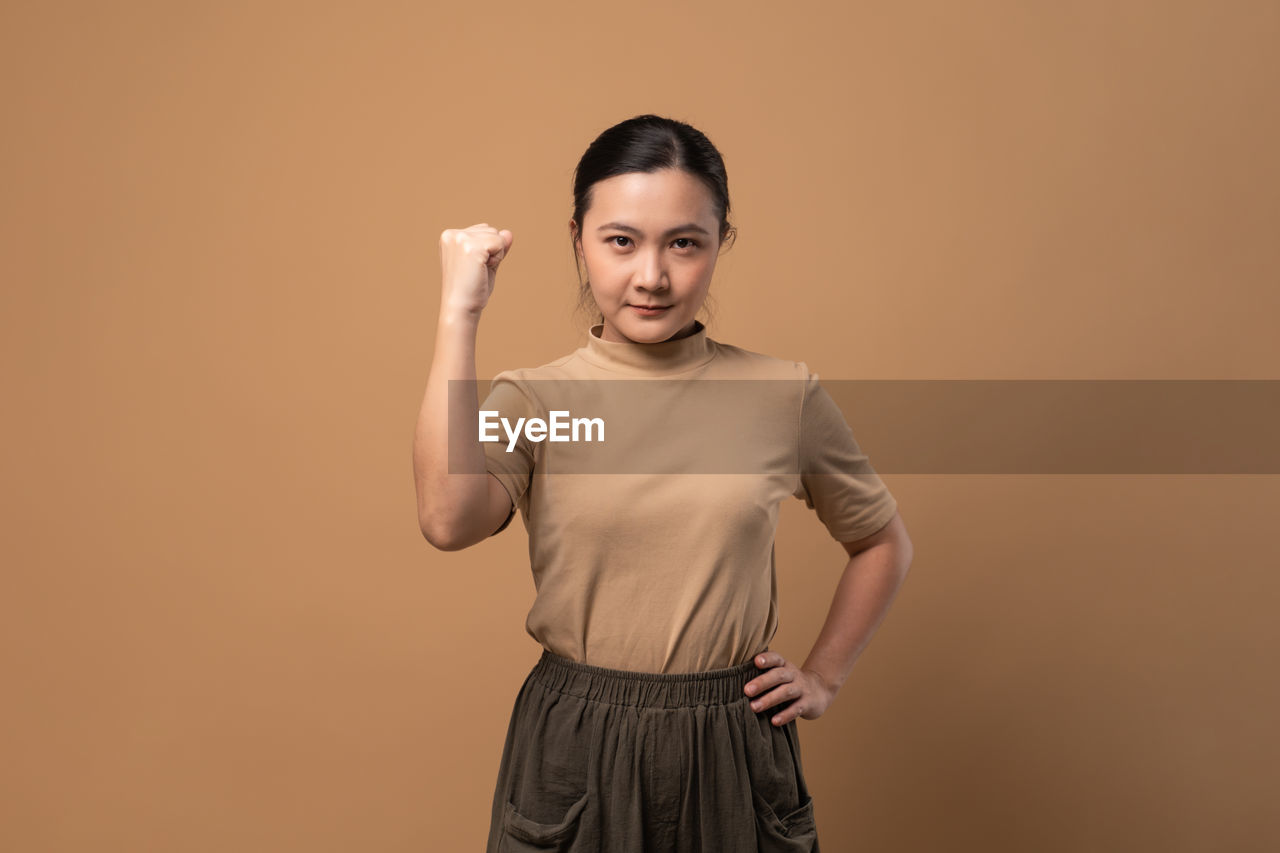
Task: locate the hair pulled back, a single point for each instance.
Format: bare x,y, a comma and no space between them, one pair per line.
648,143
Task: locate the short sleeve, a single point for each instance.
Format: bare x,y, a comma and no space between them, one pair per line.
836,477
511,464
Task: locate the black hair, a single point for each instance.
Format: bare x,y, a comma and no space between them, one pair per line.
647,143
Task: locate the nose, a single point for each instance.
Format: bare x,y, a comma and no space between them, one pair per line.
651,273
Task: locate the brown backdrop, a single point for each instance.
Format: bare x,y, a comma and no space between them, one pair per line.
221,627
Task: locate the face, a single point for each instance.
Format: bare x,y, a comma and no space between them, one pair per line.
649,239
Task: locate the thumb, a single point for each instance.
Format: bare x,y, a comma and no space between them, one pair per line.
497,257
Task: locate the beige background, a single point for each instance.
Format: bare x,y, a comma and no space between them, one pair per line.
222,629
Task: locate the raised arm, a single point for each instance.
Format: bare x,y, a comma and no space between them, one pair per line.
458,509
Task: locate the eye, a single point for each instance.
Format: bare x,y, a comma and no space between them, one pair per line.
618,237
692,242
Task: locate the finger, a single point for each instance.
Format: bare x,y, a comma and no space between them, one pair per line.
776,697
772,678
784,717
490,247
497,252
768,659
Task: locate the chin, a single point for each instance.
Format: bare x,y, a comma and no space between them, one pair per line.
650,333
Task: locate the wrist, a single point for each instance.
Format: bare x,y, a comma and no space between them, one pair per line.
458,319
831,684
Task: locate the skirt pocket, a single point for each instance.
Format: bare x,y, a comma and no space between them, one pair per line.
521,834
792,832
783,806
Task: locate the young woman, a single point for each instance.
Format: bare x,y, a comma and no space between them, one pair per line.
657,718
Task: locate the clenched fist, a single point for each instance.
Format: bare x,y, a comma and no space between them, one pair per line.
469,259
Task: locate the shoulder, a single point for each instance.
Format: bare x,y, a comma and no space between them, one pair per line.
739,362
560,368
526,387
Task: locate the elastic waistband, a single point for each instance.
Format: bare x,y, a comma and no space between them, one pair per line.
644,689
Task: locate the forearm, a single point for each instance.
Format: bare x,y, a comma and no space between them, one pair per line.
447,423
862,598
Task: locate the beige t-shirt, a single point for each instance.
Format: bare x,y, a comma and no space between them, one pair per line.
652,549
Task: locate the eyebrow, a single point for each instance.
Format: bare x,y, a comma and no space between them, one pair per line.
688,226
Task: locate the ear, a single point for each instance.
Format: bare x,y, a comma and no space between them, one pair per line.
575,237
730,237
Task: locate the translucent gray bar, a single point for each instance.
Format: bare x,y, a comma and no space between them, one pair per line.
978,426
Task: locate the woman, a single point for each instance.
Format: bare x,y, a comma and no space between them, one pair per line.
657,718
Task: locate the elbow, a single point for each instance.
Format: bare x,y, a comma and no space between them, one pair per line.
443,537
905,552
898,541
